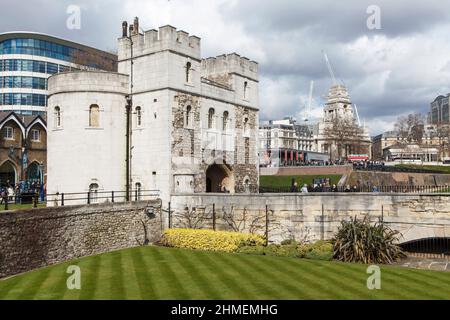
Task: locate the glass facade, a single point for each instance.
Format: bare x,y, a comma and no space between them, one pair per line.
23,82
87,58
23,99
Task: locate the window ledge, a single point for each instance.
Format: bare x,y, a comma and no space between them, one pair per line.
95,128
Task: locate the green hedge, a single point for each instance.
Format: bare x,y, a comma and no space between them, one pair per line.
320,250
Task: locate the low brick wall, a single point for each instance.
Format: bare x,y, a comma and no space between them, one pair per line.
36,238
300,171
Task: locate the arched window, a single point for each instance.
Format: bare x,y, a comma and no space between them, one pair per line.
188,116
245,89
138,191
225,121
138,116
188,71
246,127
211,114
93,193
57,115
94,116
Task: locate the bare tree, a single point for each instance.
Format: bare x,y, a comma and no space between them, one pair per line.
410,128
191,218
344,131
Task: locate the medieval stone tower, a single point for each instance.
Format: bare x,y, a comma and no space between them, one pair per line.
194,120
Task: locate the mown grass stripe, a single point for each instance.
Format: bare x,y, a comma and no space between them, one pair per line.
144,275
89,279
175,285
116,283
302,274
266,284
11,285
55,285
417,282
188,263
34,284
353,281
235,289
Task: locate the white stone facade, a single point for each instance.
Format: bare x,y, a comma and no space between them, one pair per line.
81,154
194,121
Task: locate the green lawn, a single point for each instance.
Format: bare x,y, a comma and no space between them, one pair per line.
432,168
12,206
163,273
285,181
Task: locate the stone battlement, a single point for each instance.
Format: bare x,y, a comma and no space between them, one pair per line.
230,63
166,38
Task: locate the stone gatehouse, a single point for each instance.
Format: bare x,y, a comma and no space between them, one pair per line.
194,121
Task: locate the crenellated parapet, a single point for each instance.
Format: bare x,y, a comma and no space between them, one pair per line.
152,41
230,64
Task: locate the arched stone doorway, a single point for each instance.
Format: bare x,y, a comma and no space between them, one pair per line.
218,177
8,174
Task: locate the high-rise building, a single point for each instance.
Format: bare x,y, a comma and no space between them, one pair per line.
439,113
27,59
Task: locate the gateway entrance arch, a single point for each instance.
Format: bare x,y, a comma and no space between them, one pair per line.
219,178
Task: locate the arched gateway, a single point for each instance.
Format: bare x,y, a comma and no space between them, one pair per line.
219,178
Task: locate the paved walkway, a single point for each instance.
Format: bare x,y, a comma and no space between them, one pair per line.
426,264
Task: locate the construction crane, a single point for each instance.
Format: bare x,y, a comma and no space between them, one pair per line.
357,115
330,69
309,104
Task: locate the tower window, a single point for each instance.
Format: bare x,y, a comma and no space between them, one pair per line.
225,121
245,90
94,116
188,116
138,116
57,115
188,71
211,114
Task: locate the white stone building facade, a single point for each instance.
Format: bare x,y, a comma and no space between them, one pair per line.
194,121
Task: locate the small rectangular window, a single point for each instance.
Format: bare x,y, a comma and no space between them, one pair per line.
35,135
9,133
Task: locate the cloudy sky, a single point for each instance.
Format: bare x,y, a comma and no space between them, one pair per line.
391,71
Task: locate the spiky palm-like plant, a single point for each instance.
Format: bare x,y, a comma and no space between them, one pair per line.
363,242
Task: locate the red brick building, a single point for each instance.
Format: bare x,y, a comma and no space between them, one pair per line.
23,148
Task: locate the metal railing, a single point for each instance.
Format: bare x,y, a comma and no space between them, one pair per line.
382,168
80,198
360,189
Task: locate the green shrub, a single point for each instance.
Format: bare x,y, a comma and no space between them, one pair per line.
209,240
320,250
361,241
255,250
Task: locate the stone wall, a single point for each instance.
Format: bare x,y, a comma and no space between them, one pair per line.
301,216
36,238
299,171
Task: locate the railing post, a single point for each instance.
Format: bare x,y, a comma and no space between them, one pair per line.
6,203
135,195
62,199
267,225
322,236
214,216
88,198
170,217
382,213
35,200
112,196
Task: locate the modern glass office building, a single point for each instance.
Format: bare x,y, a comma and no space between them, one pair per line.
27,60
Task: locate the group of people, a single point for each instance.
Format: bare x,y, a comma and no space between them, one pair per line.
13,193
325,187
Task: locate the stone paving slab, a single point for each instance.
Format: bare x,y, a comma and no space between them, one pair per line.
426,264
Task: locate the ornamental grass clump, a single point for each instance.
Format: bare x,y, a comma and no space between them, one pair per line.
363,242
208,240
